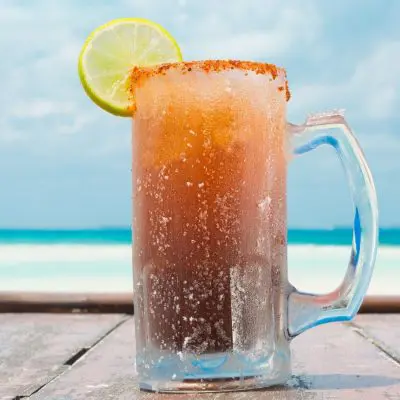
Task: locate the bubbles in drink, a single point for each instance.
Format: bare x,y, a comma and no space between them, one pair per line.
206,252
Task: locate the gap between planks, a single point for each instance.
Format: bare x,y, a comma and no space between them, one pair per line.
353,326
373,340
67,364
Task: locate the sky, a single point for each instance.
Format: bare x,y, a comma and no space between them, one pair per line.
66,163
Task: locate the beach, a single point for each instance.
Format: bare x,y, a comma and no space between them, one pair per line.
94,267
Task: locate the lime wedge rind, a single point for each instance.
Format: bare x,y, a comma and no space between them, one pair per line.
110,52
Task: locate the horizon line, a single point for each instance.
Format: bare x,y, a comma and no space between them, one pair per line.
126,227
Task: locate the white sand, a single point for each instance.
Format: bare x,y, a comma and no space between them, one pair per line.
107,268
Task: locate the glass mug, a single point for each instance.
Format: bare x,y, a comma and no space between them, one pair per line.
214,310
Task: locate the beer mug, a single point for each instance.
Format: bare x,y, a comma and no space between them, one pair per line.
214,309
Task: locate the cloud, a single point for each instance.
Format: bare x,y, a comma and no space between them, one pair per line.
372,90
377,80
41,98
8,136
42,85
256,29
14,13
247,45
51,133
39,108
276,31
76,125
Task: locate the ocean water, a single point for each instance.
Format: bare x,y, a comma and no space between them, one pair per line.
99,260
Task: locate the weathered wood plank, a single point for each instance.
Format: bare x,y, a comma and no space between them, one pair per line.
330,362
384,330
337,363
34,348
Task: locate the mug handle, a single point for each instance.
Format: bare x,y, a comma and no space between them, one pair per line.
306,310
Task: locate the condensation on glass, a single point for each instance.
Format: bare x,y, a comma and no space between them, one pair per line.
213,306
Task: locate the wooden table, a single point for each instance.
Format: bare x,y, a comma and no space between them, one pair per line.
90,356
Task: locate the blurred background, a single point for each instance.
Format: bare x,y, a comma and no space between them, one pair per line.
65,164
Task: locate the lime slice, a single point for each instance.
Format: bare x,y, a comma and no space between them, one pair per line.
110,52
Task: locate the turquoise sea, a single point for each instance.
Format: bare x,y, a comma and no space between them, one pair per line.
99,260
338,236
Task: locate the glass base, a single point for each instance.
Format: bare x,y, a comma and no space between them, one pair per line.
217,373
214,385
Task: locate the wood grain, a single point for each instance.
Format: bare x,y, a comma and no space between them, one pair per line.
384,330
329,362
35,348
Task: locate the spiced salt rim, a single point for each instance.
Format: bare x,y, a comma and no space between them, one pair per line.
140,74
